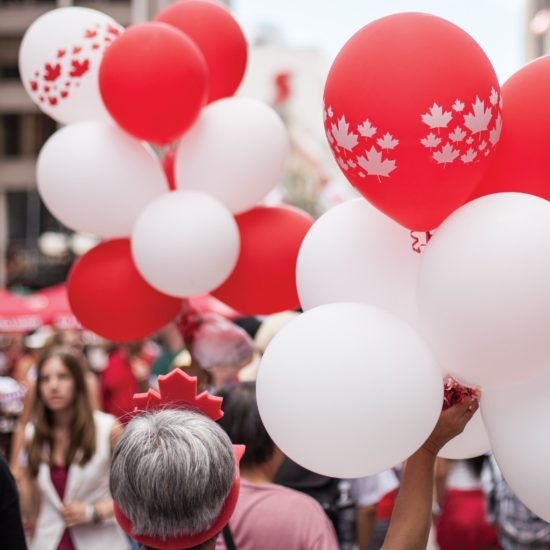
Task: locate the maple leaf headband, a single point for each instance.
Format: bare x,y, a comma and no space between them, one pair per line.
177,390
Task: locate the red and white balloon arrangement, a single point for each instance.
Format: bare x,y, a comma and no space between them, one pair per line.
169,222
418,123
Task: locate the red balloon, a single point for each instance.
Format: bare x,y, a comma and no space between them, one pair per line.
168,168
109,296
264,279
521,162
153,81
411,114
218,36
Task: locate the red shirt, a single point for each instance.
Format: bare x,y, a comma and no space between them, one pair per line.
118,385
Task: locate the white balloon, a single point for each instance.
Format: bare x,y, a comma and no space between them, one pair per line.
236,152
517,417
185,243
473,441
355,253
95,178
59,62
348,390
484,289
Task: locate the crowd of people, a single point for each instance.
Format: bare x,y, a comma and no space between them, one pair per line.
73,442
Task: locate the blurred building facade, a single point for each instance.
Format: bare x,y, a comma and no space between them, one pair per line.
537,35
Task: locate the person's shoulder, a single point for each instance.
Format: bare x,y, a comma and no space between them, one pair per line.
104,419
291,498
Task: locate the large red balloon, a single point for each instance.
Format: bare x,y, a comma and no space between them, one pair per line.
153,81
264,280
109,296
521,162
219,38
412,113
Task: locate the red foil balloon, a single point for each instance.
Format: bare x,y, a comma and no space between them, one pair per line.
264,279
109,296
521,163
218,36
153,81
412,114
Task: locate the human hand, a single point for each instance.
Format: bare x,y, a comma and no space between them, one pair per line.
75,513
451,423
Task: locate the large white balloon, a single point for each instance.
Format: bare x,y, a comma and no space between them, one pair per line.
236,152
355,253
59,62
185,243
95,178
517,417
473,441
484,289
348,390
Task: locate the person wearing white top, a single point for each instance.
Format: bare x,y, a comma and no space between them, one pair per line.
65,490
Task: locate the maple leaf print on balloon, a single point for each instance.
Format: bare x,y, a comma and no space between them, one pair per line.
342,163
494,134
52,72
458,106
468,156
430,141
437,117
374,165
366,129
330,114
79,68
343,137
494,97
458,134
351,164
387,141
446,155
482,145
478,120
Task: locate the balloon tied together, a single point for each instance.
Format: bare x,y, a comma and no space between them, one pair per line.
420,239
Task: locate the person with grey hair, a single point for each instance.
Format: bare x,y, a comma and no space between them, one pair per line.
174,473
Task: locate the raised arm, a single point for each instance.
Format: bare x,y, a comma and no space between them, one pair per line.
410,523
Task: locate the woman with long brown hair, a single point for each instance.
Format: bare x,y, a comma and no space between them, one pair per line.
65,493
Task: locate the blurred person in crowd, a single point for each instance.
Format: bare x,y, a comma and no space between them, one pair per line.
174,475
518,528
374,498
461,520
11,527
127,373
267,515
216,344
46,341
65,492
171,342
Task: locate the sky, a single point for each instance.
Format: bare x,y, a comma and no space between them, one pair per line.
497,25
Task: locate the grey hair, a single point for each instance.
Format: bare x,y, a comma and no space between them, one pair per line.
171,473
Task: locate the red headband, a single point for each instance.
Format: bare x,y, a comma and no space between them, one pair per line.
178,391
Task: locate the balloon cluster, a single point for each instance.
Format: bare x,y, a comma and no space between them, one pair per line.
181,225
414,115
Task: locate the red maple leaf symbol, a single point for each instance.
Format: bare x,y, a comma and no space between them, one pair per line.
90,33
79,67
34,85
52,73
46,89
41,98
61,53
52,100
95,46
64,93
77,49
113,30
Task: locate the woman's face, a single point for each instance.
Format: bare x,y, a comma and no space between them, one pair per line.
56,385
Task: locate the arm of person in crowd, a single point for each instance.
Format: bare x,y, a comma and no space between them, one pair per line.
18,437
366,518
29,499
440,492
410,523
